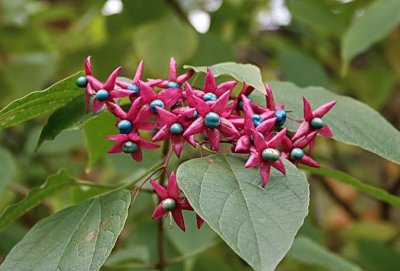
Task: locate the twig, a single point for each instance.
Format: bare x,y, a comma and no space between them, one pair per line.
337,198
178,10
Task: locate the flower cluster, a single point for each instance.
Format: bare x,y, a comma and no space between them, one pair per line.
177,111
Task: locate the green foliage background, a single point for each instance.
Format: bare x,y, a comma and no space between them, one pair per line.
326,44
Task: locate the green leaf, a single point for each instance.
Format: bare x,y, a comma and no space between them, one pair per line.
365,188
7,169
352,122
376,21
71,115
77,238
378,256
54,184
40,102
259,224
157,41
95,132
242,72
308,251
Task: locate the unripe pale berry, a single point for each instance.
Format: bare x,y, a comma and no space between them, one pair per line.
270,155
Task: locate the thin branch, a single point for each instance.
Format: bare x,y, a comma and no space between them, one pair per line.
332,193
178,10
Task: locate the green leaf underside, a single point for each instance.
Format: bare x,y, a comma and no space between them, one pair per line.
54,184
365,188
247,73
377,20
259,224
77,238
71,115
306,250
352,122
40,102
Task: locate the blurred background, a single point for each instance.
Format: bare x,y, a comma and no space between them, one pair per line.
300,41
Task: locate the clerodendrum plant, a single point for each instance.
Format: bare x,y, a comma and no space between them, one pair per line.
243,181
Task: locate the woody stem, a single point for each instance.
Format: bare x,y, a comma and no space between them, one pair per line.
160,230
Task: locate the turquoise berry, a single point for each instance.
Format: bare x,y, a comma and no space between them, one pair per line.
134,88
280,115
270,155
209,97
195,114
212,120
296,154
155,103
130,147
125,126
176,129
102,95
168,204
81,81
317,123
256,119
172,85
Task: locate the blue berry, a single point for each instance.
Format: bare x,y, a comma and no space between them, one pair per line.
256,119
134,88
102,95
155,103
176,129
212,120
296,154
195,114
125,126
280,115
209,97
172,85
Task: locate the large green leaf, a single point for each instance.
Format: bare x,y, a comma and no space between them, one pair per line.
306,250
259,224
352,122
376,21
40,102
54,184
242,72
7,169
73,114
77,238
159,40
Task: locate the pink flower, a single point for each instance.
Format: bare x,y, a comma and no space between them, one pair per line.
263,127
172,202
211,91
134,85
212,120
265,154
175,80
312,120
164,99
103,92
173,127
278,110
294,151
135,119
237,104
130,143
